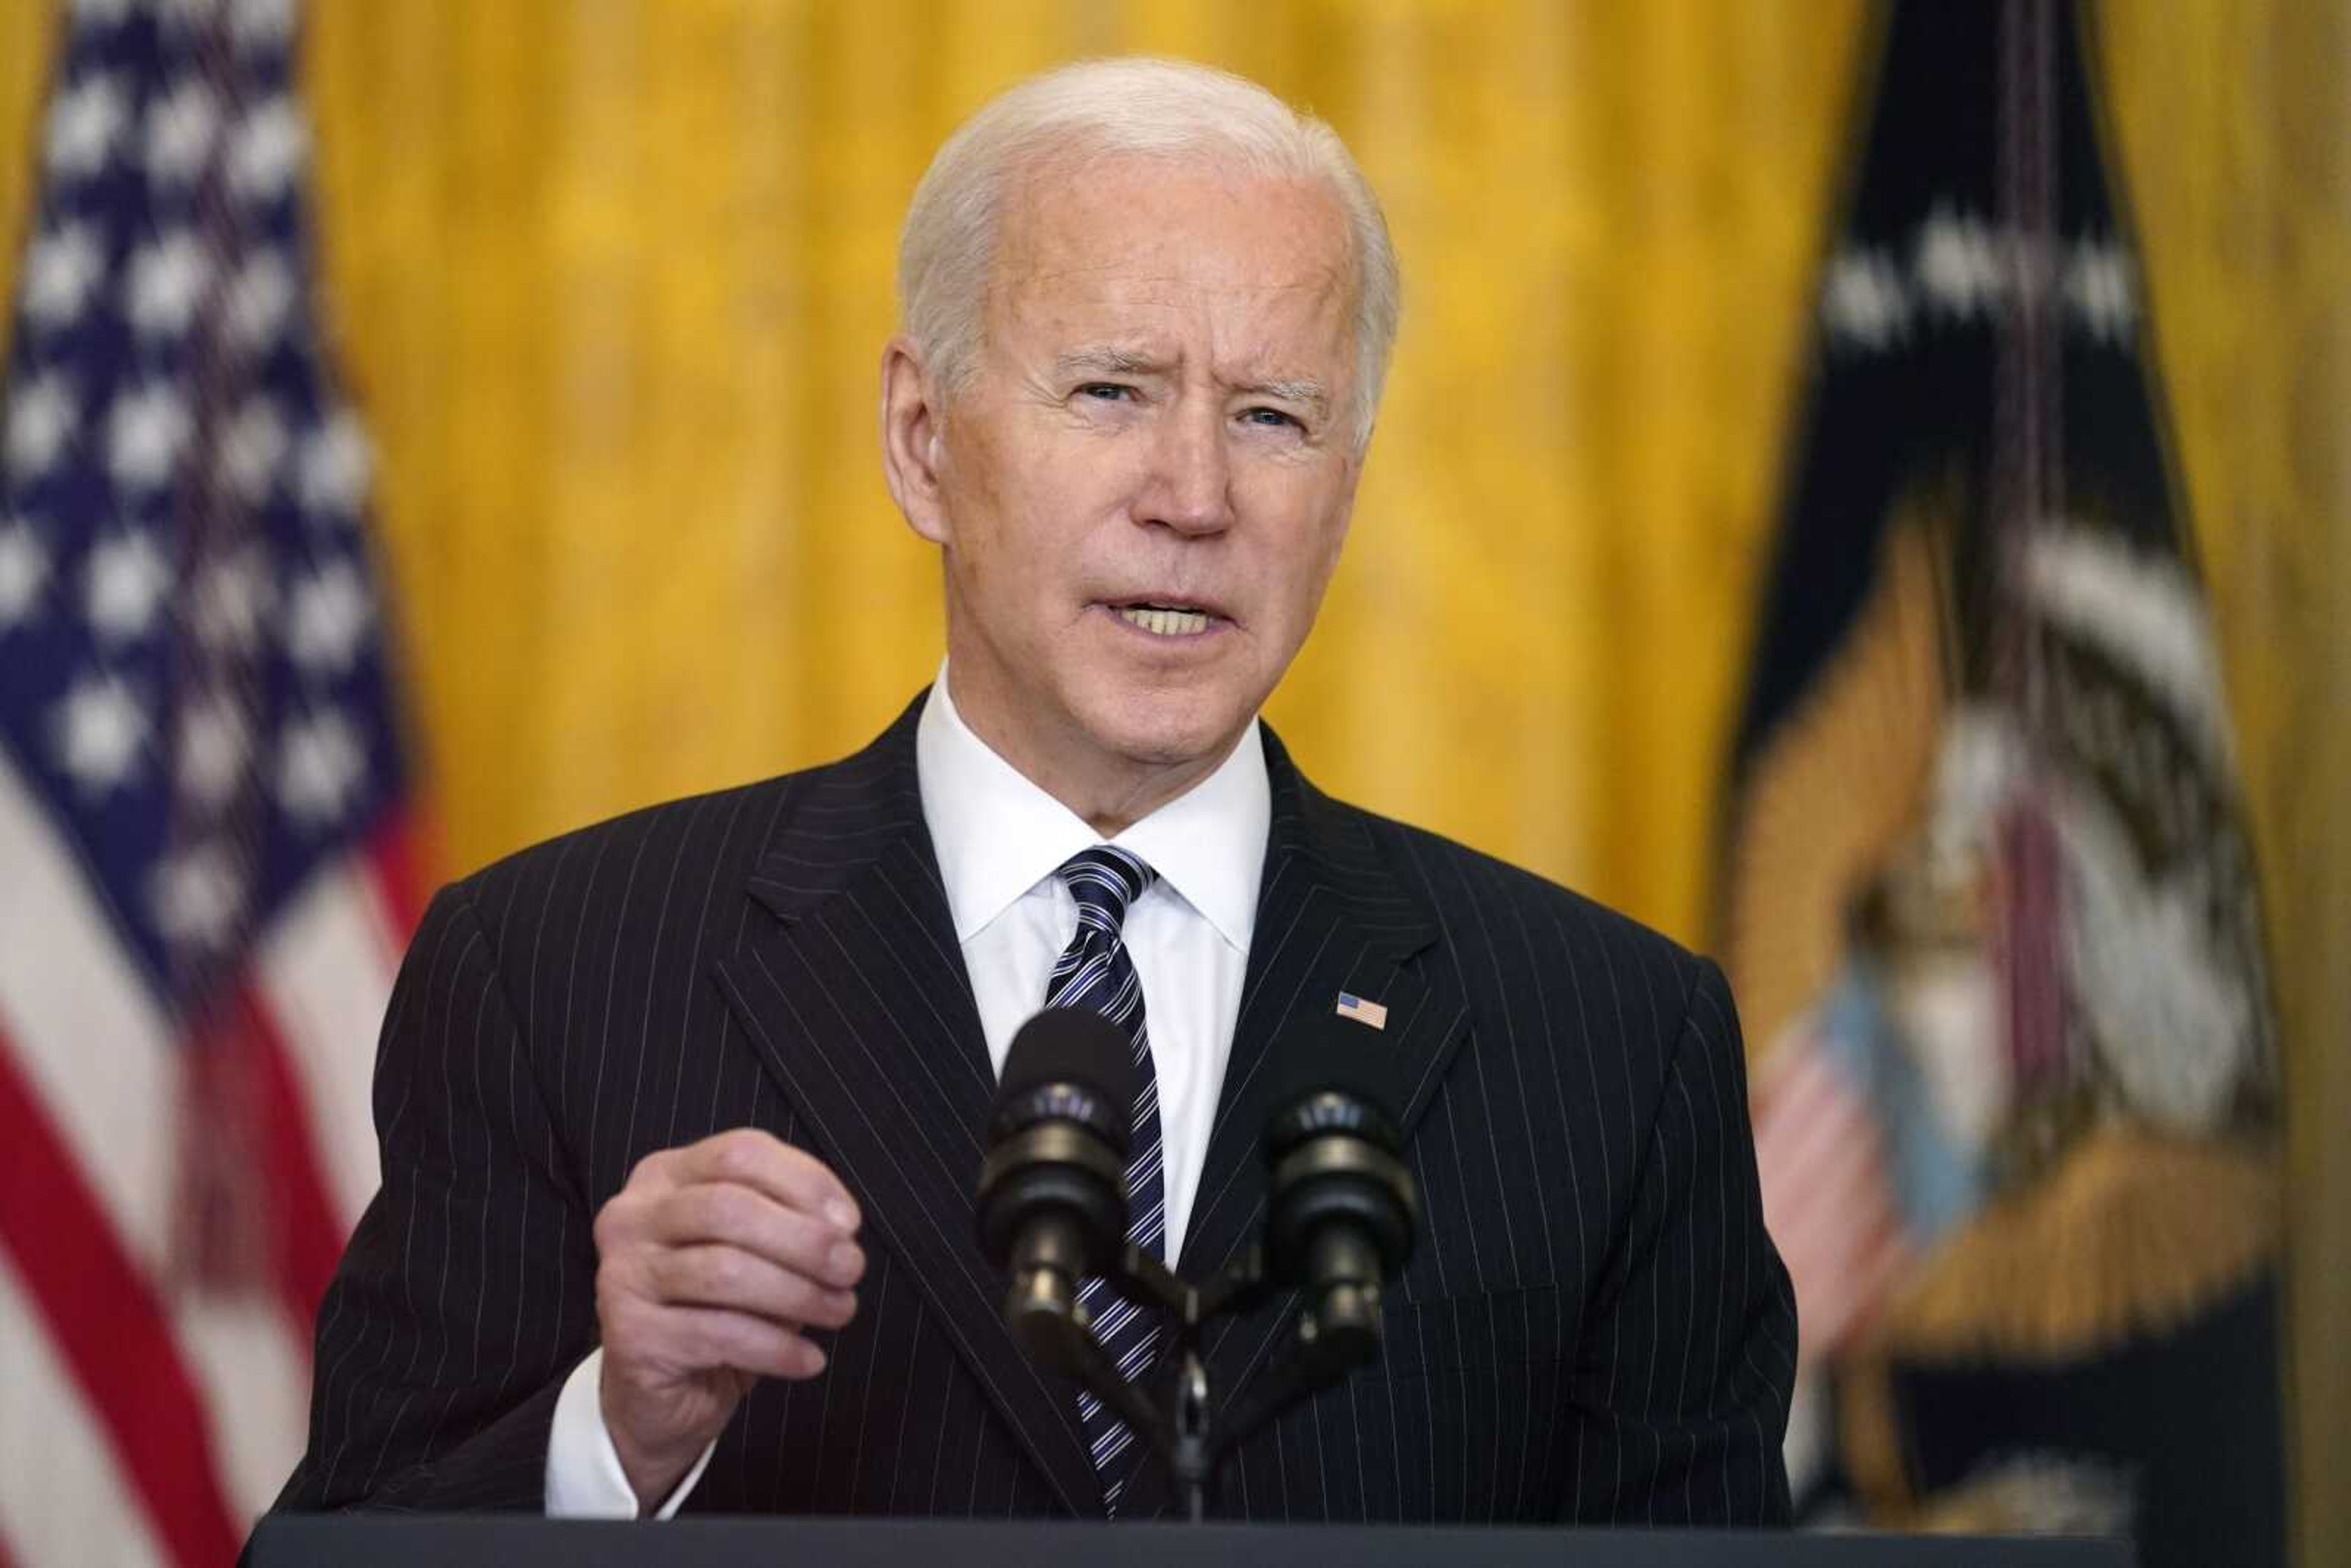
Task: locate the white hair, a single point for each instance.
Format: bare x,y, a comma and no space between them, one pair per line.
1170,108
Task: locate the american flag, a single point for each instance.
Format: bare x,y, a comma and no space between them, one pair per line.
1829,1199
204,841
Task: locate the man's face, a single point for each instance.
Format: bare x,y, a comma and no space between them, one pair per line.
1142,487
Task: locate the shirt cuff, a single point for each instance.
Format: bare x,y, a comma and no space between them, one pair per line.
584,1477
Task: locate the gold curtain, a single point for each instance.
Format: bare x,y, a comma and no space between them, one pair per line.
610,279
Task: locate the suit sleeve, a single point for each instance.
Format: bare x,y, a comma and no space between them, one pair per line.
1682,1393
467,1292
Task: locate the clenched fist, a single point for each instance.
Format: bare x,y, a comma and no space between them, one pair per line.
713,1263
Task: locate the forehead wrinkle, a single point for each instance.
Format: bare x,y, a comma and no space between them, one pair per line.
1045,179
1109,359
1301,389
1107,305
1172,286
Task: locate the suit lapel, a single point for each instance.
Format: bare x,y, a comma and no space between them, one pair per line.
1333,917
855,998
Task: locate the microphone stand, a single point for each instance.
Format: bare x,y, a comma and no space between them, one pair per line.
1052,1200
1333,1334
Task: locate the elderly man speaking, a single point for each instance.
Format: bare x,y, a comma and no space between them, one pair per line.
680,1114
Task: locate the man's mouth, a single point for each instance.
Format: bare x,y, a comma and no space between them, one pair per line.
1166,619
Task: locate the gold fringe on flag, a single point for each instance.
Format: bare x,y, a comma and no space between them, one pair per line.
1839,785
2129,1235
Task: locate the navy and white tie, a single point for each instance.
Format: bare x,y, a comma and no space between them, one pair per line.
1095,972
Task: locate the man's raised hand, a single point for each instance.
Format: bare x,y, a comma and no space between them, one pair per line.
713,1263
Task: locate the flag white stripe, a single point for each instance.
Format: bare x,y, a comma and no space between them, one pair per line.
254,1381
96,1050
1822,1229
62,1499
1827,1199
87,1034
1839,1167
325,973
1801,1141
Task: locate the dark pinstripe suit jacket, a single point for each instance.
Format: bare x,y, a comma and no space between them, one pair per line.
1593,1327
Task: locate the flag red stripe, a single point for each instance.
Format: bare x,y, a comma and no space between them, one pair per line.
306,1239
1800,1156
1836,1298
109,1330
400,853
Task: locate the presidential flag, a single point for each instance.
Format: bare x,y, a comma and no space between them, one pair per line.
1989,907
205,820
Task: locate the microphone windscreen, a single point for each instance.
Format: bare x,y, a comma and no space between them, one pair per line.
1069,1045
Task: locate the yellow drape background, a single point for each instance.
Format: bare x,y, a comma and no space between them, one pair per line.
609,280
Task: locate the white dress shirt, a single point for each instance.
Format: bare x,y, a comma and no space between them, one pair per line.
999,839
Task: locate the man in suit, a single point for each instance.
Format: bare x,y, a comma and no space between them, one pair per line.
680,1114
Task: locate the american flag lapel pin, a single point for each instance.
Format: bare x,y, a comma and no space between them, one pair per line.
1352,1005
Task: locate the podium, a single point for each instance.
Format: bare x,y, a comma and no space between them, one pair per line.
382,1541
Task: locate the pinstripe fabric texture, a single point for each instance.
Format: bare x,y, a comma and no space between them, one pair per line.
1095,971
1593,1327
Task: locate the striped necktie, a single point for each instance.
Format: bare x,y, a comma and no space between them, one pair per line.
1095,972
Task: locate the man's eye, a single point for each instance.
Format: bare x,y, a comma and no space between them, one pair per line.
1271,418
1108,392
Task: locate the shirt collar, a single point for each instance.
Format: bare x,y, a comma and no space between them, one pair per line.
997,834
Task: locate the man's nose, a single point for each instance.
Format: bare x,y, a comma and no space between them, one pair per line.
1190,484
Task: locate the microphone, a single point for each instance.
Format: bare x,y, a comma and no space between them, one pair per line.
1341,1212
1051,1210
1052,1185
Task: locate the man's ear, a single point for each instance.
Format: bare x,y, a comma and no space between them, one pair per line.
912,420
